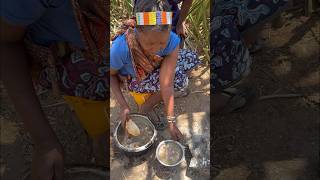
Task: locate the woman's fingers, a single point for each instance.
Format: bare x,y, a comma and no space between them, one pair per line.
124,113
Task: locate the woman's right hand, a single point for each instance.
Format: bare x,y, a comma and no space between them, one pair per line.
175,132
47,161
124,115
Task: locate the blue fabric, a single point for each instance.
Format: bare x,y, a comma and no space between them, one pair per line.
120,58
47,21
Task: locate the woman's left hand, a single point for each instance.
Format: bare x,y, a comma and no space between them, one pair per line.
175,132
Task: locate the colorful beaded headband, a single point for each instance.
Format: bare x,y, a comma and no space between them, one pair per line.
154,18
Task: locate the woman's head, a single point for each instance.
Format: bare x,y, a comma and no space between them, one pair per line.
152,37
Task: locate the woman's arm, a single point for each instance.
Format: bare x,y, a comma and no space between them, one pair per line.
115,87
116,90
185,7
15,74
47,161
167,74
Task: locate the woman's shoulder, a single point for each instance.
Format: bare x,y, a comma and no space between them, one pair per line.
173,42
119,46
174,36
119,51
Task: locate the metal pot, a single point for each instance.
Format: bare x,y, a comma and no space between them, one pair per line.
141,149
182,148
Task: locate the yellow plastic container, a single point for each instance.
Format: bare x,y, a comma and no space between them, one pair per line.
91,114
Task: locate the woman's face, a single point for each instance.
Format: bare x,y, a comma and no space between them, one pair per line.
153,41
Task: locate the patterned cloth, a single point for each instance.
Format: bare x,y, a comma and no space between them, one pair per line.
76,72
187,60
142,63
230,58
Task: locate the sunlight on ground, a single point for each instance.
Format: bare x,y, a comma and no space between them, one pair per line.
137,172
282,66
235,173
187,123
113,103
311,79
305,49
282,170
273,170
9,132
2,167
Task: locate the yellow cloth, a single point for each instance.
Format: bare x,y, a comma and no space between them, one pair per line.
140,98
92,114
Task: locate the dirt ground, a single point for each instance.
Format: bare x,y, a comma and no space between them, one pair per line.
16,145
192,119
275,139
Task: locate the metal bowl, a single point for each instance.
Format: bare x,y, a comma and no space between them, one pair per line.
142,148
181,147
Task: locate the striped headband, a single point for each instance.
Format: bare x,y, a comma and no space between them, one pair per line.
154,18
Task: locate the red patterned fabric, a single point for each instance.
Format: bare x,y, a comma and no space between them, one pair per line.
77,72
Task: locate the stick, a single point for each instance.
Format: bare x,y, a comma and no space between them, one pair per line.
193,92
53,105
86,170
279,96
42,92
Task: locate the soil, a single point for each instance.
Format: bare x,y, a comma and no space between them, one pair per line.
275,138
16,145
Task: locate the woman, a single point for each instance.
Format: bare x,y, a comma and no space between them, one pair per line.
146,59
234,25
64,41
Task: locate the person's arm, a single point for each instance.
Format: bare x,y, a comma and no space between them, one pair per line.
185,7
116,90
15,74
167,74
47,162
115,87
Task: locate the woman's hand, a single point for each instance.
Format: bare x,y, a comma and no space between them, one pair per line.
47,161
175,132
124,115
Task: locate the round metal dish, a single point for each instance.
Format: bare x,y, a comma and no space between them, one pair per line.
141,148
174,142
